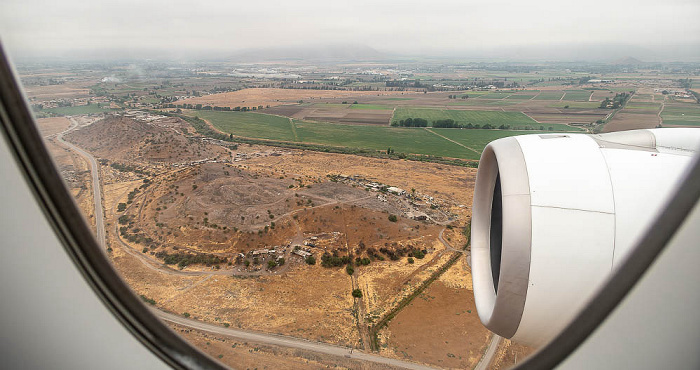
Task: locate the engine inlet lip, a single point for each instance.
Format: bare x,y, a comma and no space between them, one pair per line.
501,307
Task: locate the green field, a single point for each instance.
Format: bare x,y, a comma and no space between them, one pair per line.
478,139
653,107
577,95
250,124
522,96
549,95
476,117
681,115
402,140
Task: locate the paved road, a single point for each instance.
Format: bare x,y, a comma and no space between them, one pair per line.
285,341
99,211
490,352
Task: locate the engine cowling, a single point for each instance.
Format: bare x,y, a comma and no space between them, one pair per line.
554,214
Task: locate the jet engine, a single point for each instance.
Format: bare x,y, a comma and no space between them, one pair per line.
554,214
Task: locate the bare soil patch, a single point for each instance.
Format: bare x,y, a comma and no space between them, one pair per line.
631,121
52,126
124,139
440,327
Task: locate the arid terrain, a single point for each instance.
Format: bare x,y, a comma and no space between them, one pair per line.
170,197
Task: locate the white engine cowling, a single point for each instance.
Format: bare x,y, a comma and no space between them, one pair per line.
554,214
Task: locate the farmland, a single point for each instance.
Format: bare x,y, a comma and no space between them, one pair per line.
401,140
681,115
516,120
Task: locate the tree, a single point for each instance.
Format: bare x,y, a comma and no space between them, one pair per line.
121,207
349,269
410,260
310,260
280,261
271,264
247,263
357,293
393,218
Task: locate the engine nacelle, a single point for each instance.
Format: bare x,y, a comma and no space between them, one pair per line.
554,214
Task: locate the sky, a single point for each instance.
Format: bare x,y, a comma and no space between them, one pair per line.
409,27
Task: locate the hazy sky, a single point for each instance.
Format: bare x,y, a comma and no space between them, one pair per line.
407,26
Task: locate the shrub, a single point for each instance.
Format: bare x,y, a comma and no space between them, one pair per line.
271,264
410,260
357,293
121,207
311,260
349,269
393,218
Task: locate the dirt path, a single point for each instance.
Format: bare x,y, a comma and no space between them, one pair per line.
448,139
294,129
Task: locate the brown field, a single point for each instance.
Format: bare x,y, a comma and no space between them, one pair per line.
52,126
508,354
440,327
599,95
274,97
631,121
50,92
342,114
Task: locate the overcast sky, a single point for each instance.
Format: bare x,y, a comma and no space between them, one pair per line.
406,26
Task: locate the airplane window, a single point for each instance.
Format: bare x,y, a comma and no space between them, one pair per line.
295,185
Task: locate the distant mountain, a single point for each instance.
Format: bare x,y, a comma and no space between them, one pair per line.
332,53
628,61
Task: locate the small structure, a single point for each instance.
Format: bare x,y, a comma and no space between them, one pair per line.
395,190
302,253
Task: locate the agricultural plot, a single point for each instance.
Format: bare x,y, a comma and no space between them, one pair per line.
250,124
476,117
478,139
600,95
522,96
402,140
495,95
638,106
681,115
577,95
371,106
549,95
575,104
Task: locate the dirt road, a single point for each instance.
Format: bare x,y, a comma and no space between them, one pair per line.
281,340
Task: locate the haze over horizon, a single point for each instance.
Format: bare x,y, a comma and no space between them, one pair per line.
546,30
